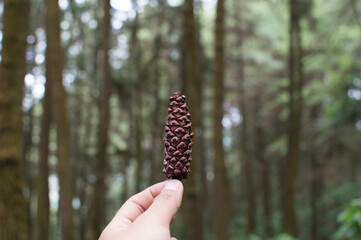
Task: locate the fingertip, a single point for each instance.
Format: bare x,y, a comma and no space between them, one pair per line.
172,184
167,203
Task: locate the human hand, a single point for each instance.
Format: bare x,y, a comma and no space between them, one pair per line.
146,215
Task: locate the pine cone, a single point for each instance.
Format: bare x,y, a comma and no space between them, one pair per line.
178,140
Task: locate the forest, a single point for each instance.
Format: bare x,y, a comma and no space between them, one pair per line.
273,88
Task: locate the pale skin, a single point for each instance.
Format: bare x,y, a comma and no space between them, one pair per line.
147,215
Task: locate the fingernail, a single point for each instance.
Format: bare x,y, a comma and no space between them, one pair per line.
171,185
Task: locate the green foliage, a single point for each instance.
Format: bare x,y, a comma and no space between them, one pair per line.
253,237
283,236
279,145
350,220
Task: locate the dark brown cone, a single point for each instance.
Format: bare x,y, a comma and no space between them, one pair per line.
178,139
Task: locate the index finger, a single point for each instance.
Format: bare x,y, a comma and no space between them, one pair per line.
136,205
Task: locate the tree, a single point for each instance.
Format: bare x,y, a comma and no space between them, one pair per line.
192,89
222,202
264,167
294,121
246,161
54,74
315,172
43,168
246,158
157,117
13,203
99,203
136,95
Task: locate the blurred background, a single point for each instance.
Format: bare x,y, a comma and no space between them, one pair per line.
273,86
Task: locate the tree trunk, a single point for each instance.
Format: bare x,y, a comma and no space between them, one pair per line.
129,154
192,89
246,159
84,170
27,156
43,168
13,203
138,138
264,182
136,96
295,106
222,201
247,170
54,68
99,191
265,179
202,159
316,175
157,131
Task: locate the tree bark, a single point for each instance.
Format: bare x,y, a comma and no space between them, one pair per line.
27,156
192,89
222,201
247,162
43,168
130,152
136,95
265,176
13,203
265,182
54,68
157,131
138,138
99,202
316,175
295,106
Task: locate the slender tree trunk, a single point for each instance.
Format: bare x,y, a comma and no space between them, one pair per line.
246,158
265,178
295,106
192,89
313,193
130,153
13,203
84,170
222,201
54,68
43,168
138,138
157,131
136,95
264,181
27,156
247,170
99,202
202,159
83,210
316,175
124,195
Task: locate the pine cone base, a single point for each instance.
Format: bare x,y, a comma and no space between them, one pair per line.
178,139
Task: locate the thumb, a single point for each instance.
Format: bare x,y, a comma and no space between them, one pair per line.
166,204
